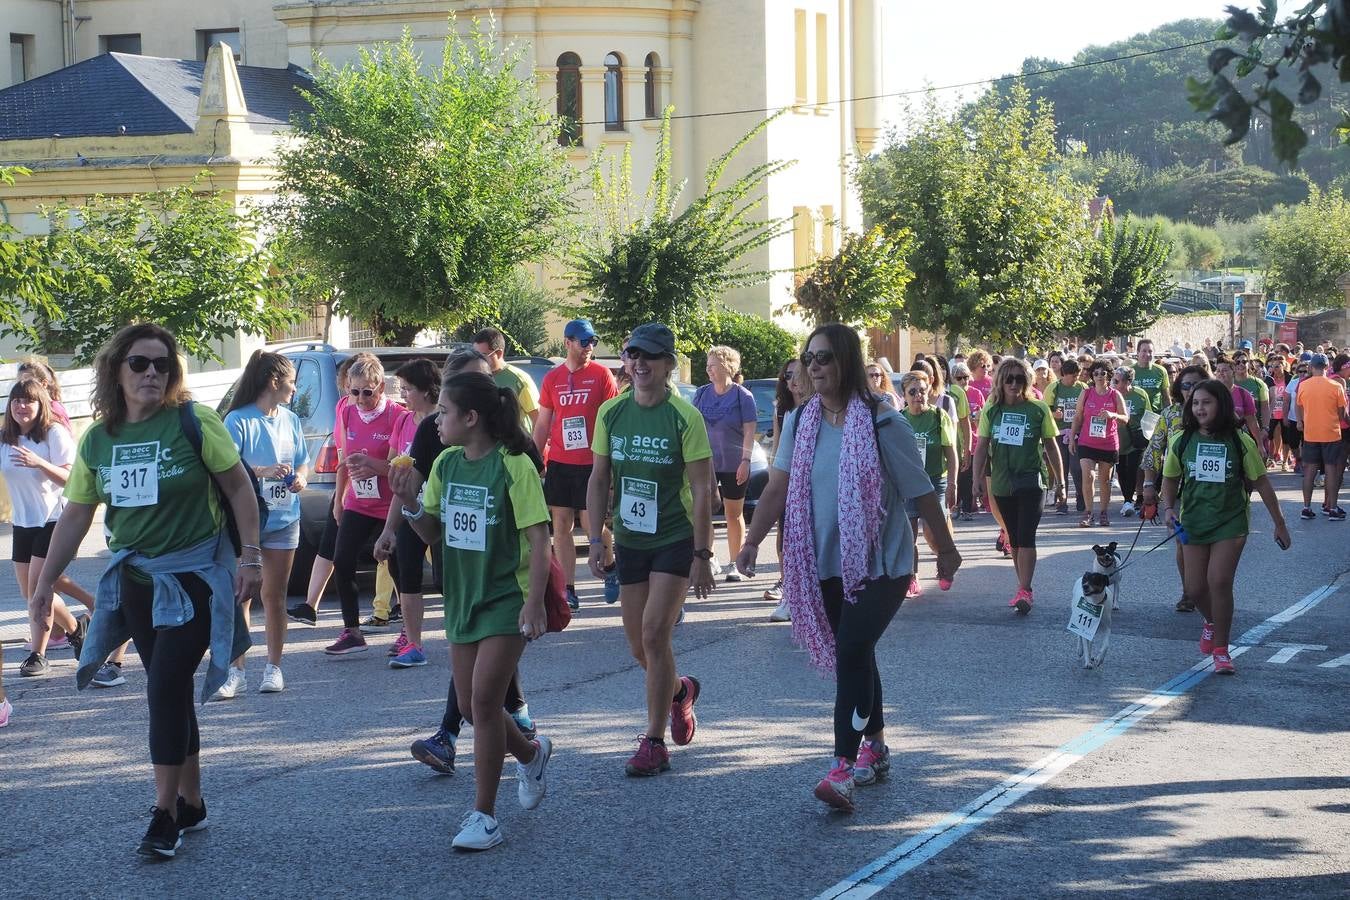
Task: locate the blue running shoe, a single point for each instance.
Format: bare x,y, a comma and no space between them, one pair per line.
524,722
411,657
437,751
612,586
573,601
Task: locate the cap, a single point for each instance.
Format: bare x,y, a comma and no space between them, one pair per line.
1305,356
653,338
1318,361
581,329
1041,364
1245,345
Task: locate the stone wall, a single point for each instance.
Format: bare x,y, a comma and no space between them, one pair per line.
1193,327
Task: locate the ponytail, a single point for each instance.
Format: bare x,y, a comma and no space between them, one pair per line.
495,405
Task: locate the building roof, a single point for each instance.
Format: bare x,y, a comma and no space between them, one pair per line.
145,94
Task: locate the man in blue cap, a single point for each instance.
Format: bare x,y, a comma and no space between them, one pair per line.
569,399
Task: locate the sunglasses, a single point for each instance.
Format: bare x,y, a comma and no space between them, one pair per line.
635,353
1015,379
915,392
1100,373
587,342
961,378
139,364
876,376
821,357
1187,385
364,392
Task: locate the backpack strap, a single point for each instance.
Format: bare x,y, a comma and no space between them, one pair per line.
192,428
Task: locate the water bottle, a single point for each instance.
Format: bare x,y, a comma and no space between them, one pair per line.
289,479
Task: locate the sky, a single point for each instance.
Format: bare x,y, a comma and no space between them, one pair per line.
941,43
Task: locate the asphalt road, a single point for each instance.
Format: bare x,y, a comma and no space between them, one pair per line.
1008,779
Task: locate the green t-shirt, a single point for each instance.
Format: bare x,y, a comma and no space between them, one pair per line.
958,394
648,448
1152,380
1259,390
933,430
1137,403
484,505
1064,399
523,386
1015,434
153,481
1215,510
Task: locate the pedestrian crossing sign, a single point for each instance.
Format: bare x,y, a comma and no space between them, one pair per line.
1276,311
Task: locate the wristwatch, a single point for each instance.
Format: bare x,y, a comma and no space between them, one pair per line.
705,553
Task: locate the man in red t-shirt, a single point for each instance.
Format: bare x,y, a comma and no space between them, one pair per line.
569,400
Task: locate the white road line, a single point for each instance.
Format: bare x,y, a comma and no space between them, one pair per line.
1289,651
888,867
1336,663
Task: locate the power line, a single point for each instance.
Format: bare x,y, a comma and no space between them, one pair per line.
946,87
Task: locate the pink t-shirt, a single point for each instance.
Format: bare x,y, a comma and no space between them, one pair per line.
370,496
60,414
1098,429
407,430
1279,399
1243,403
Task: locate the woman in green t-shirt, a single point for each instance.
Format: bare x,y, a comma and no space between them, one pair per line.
484,506
1208,467
935,436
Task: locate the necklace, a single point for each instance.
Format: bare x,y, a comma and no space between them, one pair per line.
833,413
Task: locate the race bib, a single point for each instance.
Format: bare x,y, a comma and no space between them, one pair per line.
1097,428
366,488
574,433
464,514
1211,462
1012,429
637,505
1148,423
1085,618
276,494
921,441
1279,403
135,475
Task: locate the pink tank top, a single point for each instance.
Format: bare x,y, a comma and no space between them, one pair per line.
1099,430
1279,400
369,496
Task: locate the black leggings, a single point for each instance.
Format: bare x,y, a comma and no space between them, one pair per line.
857,627
1127,470
410,552
965,498
170,656
1069,463
354,531
453,718
1021,513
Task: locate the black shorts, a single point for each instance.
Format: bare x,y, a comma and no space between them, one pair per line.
636,566
1293,438
729,489
565,485
1021,513
1098,455
31,542
1328,453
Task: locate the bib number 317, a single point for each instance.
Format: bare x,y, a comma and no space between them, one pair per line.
638,505
135,475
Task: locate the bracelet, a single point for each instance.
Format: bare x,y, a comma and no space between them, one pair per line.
1147,484
250,565
410,515
252,547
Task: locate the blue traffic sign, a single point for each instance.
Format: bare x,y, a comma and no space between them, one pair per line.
1237,304
1276,311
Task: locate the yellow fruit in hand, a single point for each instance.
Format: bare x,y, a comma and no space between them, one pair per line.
402,461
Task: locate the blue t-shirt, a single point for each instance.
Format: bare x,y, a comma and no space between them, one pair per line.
726,415
265,441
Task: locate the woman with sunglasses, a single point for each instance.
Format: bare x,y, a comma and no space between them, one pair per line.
1017,441
366,436
935,438
1244,404
790,393
1277,382
653,459
1095,438
844,468
965,493
1132,440
1210,468
879,380
1062,398
1169,427
173,583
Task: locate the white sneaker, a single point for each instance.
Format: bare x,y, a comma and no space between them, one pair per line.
477,831
781,613
235,682
1127,509
272,682
775,592
530,783
734,575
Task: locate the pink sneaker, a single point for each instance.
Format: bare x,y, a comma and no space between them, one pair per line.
5,709
915,589
944,584
400,644
836,788
683,722
349,641
1021,601
1207,639
651,758
1223,663
874,758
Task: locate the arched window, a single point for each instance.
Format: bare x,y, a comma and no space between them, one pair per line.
652,63
569,99
613,92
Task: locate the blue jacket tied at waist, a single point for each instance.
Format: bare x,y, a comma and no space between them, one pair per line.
213,562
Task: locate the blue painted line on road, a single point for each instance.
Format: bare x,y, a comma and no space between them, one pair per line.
885,869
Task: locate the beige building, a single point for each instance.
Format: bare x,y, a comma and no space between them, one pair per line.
612,65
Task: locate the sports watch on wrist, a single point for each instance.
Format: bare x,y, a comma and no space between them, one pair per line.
705,554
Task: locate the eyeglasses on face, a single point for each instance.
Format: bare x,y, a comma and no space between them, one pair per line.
1015,379
364,392
139,364
820,357
961,378
915,392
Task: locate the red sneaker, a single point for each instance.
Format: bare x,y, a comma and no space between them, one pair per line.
874,759
1021,601
1207,639
349,641
915,589
683,722
836,788
1223,663
651,758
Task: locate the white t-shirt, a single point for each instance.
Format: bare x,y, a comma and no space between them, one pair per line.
1290,406
37,499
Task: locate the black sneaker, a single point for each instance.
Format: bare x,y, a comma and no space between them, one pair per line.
396,614
109,675
162,838
191,818
303,613
34,666
1336,514
1307,514
77,637
437,751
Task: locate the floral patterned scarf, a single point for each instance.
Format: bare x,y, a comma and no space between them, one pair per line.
860,518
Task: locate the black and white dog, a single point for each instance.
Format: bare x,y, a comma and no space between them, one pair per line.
1097,590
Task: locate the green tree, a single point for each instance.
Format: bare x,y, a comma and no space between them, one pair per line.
764,346
23,284
1309,248
522,316
650,262
183,259
1126,278
418,190
862,284
1000,227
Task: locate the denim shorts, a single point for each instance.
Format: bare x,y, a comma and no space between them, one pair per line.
285,538
939,486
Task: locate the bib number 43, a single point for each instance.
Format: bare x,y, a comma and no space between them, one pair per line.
638,505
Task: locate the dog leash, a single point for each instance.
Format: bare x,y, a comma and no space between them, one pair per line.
1138,531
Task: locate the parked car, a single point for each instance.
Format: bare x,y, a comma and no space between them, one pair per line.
765,391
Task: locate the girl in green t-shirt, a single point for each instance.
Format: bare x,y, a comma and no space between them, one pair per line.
484,506
1205,469
935,435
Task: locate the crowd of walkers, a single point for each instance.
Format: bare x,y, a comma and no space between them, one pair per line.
492,476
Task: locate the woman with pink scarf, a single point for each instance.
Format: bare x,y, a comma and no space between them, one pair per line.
846,457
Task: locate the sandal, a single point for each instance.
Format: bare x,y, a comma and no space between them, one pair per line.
1185,605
